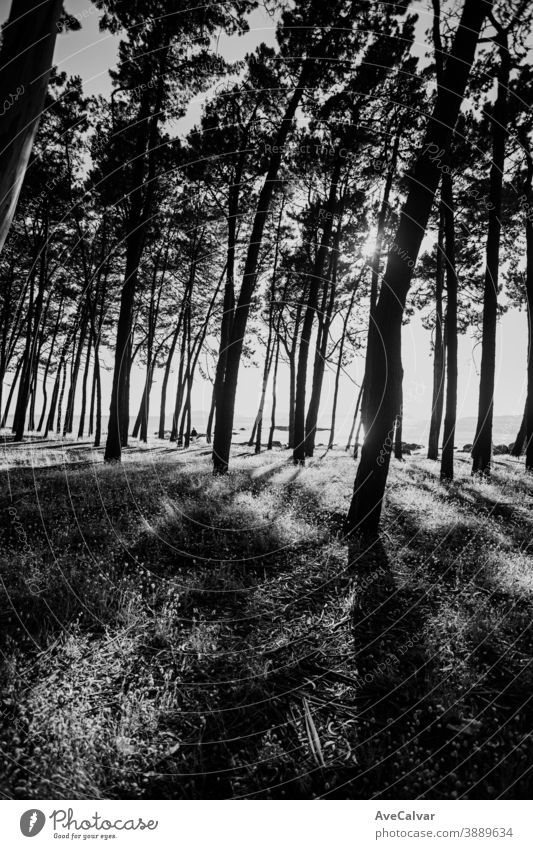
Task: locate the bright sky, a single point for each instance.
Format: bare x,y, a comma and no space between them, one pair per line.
90,53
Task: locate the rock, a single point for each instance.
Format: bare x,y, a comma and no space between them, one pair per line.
276,443
500,449
468,446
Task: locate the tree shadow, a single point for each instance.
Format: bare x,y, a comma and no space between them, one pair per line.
388,619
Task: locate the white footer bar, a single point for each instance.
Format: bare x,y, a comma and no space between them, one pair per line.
267,824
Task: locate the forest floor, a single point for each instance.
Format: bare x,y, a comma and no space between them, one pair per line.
168,634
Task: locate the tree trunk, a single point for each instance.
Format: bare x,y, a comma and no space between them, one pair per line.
255,435
53,401
180,386
6,317
357,444
90,429
211,418
269,356
357,405
11,391
48,362
291,355
482,450
35,310
57,381
228,306
118,411
164,385
40,330
32,339
226,409
81,426
141,202
292,397
186,414
446,469
319,367
322,348
437,401
520,442
274,398
339,367
71,397
384,349
98,429
376,256
60,400
145,415
398,426
315,281
528,414
22,395
26,58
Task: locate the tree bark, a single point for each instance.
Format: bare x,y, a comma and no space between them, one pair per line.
35,314
357,405
228,306
60,399
528,413
49,360
376,256
291,356
22,395
322,346
437,401
41,330
11,391
269,356
316,279
81,426
339,366
446,469
6,318
98,429
520,442
71,397
26,57
384,349
274,398
141,203
166,375
482,450
226,409
398,426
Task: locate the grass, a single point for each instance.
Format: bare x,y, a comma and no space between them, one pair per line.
168,634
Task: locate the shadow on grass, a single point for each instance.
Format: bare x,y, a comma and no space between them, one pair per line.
201,637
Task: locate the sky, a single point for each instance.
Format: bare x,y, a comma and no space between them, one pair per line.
89,53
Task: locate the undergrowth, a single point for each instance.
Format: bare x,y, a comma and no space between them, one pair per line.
168,634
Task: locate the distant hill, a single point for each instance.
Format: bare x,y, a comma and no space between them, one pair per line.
505,428
504,431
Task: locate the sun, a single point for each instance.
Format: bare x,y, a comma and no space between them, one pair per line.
369,248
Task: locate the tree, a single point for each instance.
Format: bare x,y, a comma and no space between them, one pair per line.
158,71
29,37
439,348
383,371
308,30
482,450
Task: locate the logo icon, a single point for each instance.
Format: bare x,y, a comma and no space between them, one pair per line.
32,822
